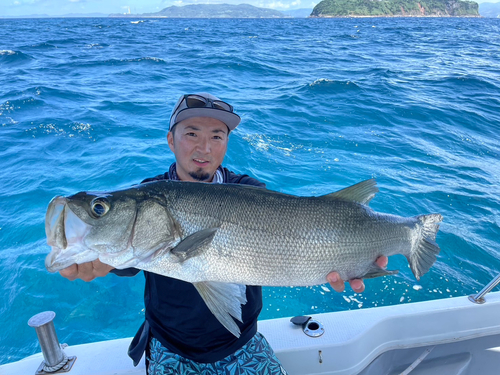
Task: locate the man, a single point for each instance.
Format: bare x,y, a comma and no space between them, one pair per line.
180,335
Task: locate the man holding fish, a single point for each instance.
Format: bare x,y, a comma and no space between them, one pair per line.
181,334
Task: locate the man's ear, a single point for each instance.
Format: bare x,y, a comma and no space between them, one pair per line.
170,139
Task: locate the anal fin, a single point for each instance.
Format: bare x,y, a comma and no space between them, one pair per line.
377,271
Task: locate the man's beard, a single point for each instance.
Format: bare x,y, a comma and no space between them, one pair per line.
200,175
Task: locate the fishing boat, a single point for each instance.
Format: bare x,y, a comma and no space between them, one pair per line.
452,336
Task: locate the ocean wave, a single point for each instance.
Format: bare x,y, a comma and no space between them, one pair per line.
97,45
42,46
71,94
324,85
476,83
14,57
64,42
325,82
238,65
147,59
75,65
106,106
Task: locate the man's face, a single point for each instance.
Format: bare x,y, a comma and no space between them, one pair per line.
199,146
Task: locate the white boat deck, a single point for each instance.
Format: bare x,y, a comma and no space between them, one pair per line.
465,338
355,339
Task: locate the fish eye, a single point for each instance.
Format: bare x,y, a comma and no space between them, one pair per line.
99,207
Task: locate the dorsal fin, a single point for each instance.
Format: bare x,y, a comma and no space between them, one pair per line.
363,192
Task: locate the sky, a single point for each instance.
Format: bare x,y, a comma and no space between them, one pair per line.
61,7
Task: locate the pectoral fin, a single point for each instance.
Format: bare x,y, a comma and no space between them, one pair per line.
224,301
193,244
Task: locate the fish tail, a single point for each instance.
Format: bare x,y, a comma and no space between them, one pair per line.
423,255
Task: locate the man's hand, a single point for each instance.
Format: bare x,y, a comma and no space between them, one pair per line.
356,284
86,271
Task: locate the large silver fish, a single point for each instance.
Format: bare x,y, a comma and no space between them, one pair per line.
223,237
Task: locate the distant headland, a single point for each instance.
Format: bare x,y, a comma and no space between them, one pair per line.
210,11
396,8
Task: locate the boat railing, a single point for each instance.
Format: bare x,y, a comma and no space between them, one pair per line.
479,298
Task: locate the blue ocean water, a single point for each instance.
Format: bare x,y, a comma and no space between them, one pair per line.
325,103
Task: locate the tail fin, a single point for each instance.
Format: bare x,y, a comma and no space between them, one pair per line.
423,256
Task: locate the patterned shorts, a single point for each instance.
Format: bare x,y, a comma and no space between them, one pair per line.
255,358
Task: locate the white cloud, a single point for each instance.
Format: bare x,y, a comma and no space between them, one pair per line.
25,2
277,5
125,9
280,5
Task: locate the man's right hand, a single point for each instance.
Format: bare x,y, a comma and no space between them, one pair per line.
86,271
356,284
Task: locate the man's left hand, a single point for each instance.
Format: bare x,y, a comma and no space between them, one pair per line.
356,284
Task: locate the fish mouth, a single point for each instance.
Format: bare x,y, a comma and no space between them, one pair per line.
65,233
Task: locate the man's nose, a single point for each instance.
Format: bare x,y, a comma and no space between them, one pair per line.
204,145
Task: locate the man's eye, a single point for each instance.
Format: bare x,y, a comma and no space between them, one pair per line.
191,134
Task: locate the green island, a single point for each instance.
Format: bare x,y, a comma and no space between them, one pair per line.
396,8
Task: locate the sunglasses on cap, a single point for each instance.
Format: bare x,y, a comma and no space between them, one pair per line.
202,105
197,101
